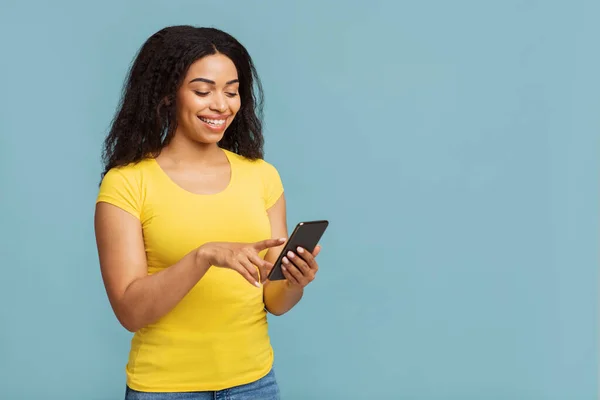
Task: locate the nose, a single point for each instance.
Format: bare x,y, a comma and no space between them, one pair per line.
219,103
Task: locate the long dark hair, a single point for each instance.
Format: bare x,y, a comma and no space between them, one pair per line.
146,117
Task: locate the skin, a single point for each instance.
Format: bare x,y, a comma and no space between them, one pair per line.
194,161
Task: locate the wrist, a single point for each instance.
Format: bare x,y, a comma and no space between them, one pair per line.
204,257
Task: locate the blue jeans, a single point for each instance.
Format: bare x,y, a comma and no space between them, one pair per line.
265,388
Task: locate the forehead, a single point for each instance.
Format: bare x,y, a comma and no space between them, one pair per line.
216,67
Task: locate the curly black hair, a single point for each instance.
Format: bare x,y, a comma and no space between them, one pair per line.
146,116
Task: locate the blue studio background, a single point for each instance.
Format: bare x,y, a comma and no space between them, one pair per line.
452,145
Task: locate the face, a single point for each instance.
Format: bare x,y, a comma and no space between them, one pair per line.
208,99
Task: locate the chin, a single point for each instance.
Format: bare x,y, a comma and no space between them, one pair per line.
208,139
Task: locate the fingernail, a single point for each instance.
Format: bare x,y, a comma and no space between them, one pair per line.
285,260
282,239
257,284
290,254
300,250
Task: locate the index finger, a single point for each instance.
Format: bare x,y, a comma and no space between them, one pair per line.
265,244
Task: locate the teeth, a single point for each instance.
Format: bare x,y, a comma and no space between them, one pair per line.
213,121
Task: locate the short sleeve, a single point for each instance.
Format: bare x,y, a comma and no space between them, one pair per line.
122,189
273,187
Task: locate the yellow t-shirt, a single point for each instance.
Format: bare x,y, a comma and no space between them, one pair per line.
217,336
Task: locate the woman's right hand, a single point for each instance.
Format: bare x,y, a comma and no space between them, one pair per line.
241,257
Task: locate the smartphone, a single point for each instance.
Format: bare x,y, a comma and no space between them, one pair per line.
306,235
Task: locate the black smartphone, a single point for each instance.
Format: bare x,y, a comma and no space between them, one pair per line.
306,235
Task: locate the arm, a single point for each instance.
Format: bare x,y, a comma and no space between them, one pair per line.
137,298
279,296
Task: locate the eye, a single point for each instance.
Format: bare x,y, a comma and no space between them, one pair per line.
202,94
231,94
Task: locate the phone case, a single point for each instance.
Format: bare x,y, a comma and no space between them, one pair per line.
306,235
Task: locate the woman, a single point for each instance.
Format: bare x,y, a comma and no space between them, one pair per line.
189,220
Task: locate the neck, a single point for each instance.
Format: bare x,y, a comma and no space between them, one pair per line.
182,150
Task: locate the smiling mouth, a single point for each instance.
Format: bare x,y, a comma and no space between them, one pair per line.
213,122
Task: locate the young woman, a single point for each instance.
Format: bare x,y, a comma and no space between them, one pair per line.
189,220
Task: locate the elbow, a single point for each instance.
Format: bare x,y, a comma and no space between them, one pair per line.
128,320
275,311
128,323
130,314
130,327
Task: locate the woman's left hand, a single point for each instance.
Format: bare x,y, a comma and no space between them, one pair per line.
300,267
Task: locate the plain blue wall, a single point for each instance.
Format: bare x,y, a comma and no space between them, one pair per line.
452,145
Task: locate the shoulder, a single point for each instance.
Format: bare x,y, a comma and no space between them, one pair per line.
130,172
259,166
262,173
124,186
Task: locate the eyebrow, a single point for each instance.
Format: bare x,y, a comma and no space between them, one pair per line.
213,82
